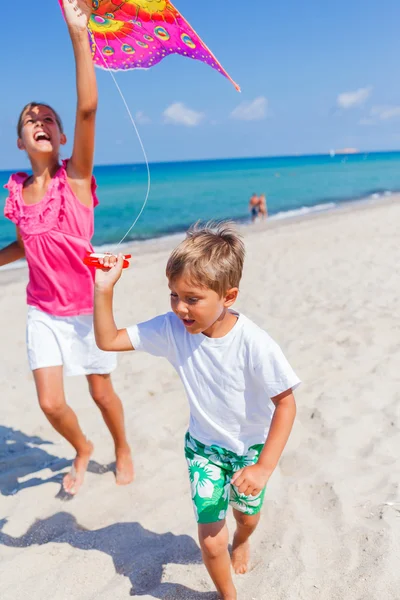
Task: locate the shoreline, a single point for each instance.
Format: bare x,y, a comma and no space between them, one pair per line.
17,272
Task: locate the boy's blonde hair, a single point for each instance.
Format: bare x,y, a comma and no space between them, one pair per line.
212,255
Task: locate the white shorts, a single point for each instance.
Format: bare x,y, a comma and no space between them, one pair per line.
65,341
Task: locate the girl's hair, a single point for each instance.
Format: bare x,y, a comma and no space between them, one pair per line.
31,105
212,255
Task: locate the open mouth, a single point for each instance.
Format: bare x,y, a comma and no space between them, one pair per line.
41,136
188,322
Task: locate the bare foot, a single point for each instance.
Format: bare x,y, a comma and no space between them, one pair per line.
74,479
240,556
124,472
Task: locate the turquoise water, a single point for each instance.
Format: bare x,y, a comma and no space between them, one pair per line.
182,193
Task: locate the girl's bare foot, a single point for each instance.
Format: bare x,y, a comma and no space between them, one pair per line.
240,556
74,479
124,472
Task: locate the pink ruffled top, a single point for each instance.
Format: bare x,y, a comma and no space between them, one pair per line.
56,233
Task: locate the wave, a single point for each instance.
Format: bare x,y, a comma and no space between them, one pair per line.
302,211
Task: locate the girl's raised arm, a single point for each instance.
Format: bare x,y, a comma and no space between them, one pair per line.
77,14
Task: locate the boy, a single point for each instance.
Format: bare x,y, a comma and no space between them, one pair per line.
239,386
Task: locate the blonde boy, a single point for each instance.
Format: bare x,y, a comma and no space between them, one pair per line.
238,383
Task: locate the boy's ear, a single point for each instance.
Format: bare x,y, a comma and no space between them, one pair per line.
20,144
63,139
231,297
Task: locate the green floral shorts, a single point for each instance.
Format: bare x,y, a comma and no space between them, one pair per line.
210,470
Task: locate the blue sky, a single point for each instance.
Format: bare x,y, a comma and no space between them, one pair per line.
314,76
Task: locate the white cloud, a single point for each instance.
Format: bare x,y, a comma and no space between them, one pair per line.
358,97
366,121
141,118
251,111
179,114
384,113
380,113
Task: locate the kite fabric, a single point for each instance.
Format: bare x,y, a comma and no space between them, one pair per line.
138,34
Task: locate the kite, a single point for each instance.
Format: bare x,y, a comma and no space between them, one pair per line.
138,34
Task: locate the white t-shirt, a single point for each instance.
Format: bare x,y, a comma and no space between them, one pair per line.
229,381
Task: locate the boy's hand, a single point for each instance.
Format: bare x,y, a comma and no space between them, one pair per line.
109,274
250,481
77,13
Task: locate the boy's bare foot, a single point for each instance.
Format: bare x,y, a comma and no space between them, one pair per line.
124,472
74,479
240,556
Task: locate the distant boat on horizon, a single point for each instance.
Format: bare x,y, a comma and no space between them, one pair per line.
346,151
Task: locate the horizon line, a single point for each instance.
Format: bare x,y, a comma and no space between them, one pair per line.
339,152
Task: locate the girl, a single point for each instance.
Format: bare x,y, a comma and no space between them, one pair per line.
53,213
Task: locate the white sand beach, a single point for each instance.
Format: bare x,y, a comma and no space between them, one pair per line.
327,289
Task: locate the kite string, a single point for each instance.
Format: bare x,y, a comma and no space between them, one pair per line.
141,145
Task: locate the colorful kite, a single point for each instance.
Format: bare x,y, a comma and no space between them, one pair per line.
138,34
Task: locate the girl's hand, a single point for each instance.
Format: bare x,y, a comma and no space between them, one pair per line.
77,13
109,274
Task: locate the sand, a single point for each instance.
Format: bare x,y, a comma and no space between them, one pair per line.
326,288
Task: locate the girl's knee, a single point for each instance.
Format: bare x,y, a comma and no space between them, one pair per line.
103,399
52,406
102,391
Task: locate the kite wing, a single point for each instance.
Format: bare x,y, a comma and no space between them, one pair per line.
138,34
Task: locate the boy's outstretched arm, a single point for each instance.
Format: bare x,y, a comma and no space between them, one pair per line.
108,336
251,480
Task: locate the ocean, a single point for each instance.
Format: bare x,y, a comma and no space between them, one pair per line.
184,192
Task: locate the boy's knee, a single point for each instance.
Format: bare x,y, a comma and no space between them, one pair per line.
246,521
213,540
213,547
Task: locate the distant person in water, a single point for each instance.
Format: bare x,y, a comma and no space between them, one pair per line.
254,207
263,210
